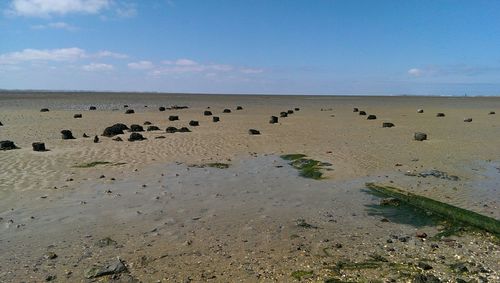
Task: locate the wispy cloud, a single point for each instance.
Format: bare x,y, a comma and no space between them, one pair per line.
184,66
452,70
415,72
141,65
97,67
46,8
55,25
251,71
58,55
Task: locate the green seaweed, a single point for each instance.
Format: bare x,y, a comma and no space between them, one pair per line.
299,274
308,168
91,164
455,216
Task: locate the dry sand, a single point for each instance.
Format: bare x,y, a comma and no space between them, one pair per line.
240,223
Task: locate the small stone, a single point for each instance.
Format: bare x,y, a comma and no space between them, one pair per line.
468,120
38,146
371,117
239,108
253,132
96,139
226,111
418,136
194,123
50,255
92,108
491,113
76,116
44,110
424,266
161,108
49,278
67,135
387,125
440,114
273,120
173,118
362,113
420,110
215,119
152,128
421,235
129,111
7,145
207,113
136,137
355,109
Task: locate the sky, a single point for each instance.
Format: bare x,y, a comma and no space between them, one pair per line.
367,47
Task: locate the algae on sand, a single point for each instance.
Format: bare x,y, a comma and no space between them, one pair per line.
308,168
447,211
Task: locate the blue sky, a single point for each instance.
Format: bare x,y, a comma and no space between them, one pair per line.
268,46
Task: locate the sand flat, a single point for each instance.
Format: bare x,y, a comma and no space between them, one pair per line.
252,201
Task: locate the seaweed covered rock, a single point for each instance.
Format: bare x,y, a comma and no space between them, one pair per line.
116,129
76,116
38,146
355,109
290,111
239,108
136,128
371,117
146,123
362,113
7,145
207,113
387,125
152,128
419,136
273,120
44,110
184,130
129,111
283,114
171,130
440,114
491,113
194,123
161,108
226,111
297,109
136,137
253,132
215,119
67,135
173,118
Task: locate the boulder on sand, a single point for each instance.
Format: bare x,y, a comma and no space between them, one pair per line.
253,132
92,108
44,110
491,113
440,115
468,120
387,125
184,130
96,139
239,108
147,123
297,109
283,114
7,145
362,113
129,111
173,118
418,136
77,116
116,129
136,128
171,130
420,110
371,117
193,123
162,108
1,124
355,109
136,137
226,111
215,119
273,120
207,113
67,135
152,128
289,111
38,146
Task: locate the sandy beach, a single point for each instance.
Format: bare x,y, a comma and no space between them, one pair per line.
169,217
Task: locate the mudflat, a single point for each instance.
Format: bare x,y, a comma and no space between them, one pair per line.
220,204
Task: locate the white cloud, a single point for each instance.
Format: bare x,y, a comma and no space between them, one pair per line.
93,67
61,54
141,65
183,65
44,8
415,72
56,25
185,62
251,71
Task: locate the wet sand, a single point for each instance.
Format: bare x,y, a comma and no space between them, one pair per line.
240,223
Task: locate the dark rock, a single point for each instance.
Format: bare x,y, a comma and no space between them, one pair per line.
44,110
162,108
438,174
424,266
136,128
387,125
371,117
125,106
193,123
273,120
215,119
226,111
96,139
1,124
177,107
160,137
363,113
283,114
184,130
426,278
468,120
173,118
50,277
67,135
296,109
289,111
147,123
440,115
355,109
421,235
85,135
239,108
136,137
207,113
7,145
420,136
420,110
114,267
116,129
77,116
92,108
152,128
253,132
129,111
459,267
118,139
50,255
38,146
491,113
171,130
